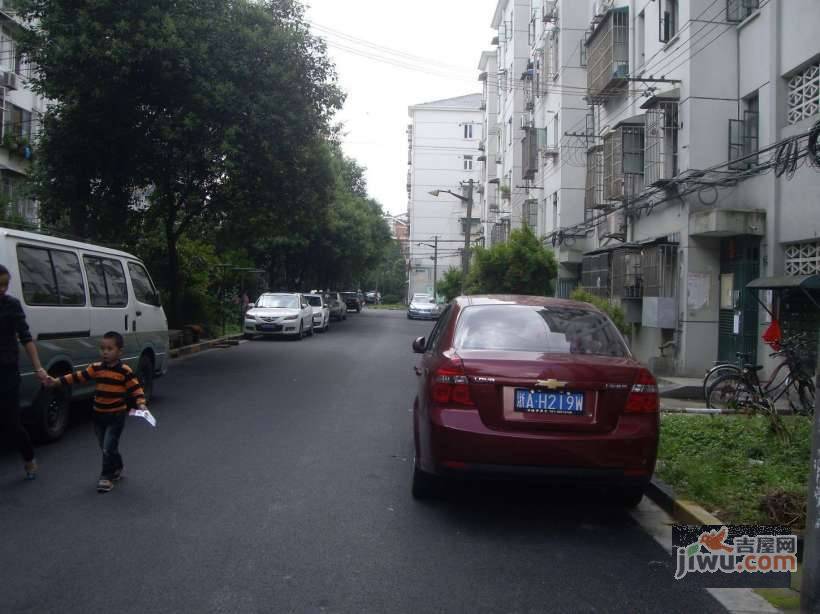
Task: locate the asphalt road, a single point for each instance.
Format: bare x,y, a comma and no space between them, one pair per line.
278,481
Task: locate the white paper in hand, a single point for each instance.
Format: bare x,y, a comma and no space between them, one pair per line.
144,413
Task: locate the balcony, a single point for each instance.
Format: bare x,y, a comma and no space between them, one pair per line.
608,55
626,273
595,274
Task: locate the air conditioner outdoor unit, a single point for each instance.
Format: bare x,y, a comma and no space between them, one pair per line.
10,80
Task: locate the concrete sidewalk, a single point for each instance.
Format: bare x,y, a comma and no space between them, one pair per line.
680,387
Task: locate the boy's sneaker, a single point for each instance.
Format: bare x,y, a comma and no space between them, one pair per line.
31,469
105,485
118,474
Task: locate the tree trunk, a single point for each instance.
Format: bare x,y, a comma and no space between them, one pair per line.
171,242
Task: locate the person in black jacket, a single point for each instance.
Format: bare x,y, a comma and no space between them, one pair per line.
13,327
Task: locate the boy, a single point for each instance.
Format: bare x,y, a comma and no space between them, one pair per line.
13,328
115,383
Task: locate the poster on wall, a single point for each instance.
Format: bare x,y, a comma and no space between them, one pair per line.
697,286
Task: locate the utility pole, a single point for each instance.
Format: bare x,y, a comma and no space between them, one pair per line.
810,584
435,267
468,230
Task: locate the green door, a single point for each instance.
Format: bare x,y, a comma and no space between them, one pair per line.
739,264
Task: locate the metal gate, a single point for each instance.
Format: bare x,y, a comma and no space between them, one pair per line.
737,328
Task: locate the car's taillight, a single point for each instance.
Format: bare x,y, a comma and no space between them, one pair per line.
451,387
643,397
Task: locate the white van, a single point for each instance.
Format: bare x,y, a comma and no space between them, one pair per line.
72,294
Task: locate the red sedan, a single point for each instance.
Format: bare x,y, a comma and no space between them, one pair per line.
532,387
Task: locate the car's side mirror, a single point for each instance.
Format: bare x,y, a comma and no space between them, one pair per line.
419,345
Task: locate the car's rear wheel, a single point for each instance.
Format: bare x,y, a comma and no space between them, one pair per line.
425,485
145,374
630,496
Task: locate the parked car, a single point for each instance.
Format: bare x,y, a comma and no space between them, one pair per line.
423,307
353,300
517,386
321,312
373,297
337,305
72,293
281,313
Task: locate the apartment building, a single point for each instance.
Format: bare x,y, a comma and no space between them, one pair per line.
686,99
443,151
22,111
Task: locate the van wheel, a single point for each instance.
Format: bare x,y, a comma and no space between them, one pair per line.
51,411
145,374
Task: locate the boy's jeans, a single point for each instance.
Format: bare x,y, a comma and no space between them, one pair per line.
108,428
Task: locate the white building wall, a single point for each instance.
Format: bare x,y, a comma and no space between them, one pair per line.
438,151
718,65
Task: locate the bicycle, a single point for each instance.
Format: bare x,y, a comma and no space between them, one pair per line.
738,388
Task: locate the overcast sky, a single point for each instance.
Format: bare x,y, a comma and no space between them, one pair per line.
433,48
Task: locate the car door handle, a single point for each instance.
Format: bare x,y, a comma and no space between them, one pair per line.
417,370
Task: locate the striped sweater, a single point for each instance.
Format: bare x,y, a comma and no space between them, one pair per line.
114,385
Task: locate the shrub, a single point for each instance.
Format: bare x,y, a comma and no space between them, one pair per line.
615,312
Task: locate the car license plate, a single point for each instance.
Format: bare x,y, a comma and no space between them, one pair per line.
537,402
270,327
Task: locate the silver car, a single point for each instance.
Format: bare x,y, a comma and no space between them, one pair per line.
423,307
337,305
279,314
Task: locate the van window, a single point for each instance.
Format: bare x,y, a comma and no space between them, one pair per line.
50,277
37,276
70,284
106,281
143,288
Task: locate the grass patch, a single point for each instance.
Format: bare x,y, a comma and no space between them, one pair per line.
736,468
392,306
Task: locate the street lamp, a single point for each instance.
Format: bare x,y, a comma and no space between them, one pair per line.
468,227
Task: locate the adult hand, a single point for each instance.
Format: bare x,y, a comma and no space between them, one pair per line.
43,376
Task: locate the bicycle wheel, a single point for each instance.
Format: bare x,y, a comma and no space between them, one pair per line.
714,373
730,391
805,395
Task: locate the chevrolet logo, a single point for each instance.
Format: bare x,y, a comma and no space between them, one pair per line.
552,384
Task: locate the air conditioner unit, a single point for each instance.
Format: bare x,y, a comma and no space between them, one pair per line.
10,80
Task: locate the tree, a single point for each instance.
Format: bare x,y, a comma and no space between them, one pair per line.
178,113
522,265
450,285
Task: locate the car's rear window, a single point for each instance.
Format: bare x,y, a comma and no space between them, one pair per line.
550,329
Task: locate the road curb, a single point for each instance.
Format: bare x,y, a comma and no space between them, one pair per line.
201,347
682,510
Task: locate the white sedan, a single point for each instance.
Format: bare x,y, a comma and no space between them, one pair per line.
321,312
280,314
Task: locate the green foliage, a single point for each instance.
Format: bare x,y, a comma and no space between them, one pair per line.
729,464
450,285
615,312
522,265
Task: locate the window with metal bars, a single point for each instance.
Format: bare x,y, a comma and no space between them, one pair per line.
668,20
608,54
661,143
530,214
626,273
623,162
594,190
595,274
743,136
738,10
529,147
659,270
